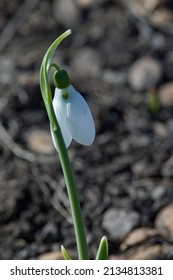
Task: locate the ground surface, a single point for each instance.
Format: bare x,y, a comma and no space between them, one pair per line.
125,179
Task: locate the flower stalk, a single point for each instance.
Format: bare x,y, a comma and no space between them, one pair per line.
62,151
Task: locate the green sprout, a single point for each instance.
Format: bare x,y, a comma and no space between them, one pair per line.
70,118
153,101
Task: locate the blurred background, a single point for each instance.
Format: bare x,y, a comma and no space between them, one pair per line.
120,58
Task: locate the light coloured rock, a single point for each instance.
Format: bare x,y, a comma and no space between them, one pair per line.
137,236
150,5
6,69
66,12
158,193
165,93
55,255
139,167
160,129
28,78
84,3
114,77
116,257
162,18
146,252
39,141
119,222
164,222
144,73
167,168
87,62
88,3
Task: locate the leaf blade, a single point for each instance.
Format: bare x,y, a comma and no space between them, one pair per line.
65,253
102,253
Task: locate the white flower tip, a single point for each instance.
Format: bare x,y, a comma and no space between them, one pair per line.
80,122
69,31
89,137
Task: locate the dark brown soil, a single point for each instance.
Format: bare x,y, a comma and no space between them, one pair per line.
128,166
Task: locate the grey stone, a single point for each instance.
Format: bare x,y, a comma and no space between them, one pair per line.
119,222
144,73
6,69
158,193
165,93
164,221
87,61
39,140
114,77
66,12
49,233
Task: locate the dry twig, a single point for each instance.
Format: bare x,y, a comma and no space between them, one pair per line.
22,153
58,200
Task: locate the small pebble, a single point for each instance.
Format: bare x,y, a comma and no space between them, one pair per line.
28,78
6,69
39,141
139,167
158,193
164,222
162,18
23,254
160,129
49,233
146,252
144,73
55,255
167,168
87,62
150,5
114,77
137,236
66,12
85,3
165,93
118,222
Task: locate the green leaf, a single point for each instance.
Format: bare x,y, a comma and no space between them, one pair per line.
153,102
65,254
102,253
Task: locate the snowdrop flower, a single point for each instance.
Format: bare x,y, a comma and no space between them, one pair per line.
72,112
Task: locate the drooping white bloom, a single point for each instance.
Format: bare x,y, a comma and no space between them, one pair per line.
74,116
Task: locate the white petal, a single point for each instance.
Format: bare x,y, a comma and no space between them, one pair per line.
59,104
79,119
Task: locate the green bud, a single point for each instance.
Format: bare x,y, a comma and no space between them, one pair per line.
61,79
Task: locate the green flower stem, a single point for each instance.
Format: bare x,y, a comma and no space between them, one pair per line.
62,151
72,192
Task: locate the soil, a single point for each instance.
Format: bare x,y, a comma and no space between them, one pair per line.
127,169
